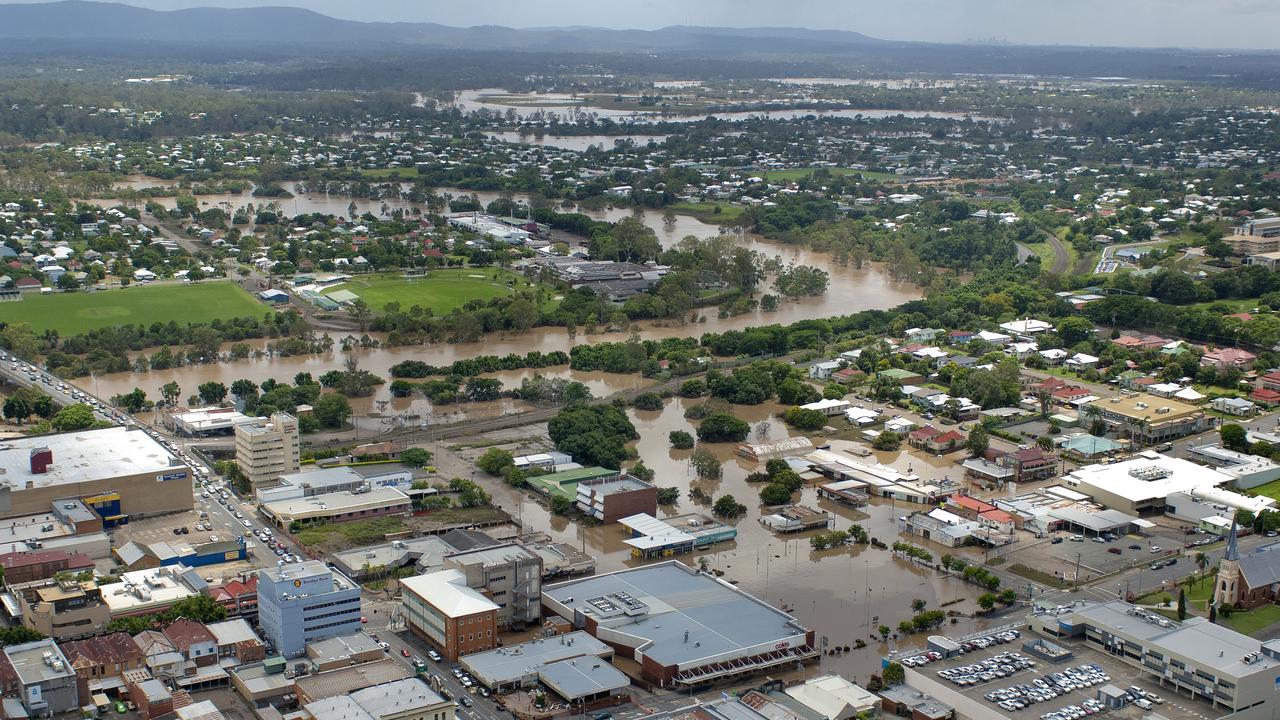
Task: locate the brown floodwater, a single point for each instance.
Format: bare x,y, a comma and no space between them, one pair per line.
850,290
524,105
838,592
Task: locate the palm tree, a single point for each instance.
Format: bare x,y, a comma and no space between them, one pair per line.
1202,561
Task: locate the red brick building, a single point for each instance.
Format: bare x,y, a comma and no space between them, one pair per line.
609,499
99,661
23,567
454,619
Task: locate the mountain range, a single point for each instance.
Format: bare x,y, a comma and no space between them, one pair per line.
106,21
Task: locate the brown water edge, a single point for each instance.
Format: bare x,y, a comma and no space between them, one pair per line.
850,290
839,592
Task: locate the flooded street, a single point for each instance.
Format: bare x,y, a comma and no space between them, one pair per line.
843,593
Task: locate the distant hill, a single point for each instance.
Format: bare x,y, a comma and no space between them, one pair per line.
106,21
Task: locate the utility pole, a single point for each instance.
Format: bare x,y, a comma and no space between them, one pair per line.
1077,580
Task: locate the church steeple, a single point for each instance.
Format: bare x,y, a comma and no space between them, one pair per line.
1232,553
1228,586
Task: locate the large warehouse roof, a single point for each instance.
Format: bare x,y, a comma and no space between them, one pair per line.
513,663
682,616
85,457
1147,475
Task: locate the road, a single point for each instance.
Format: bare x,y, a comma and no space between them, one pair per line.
385,624
24,375
1061,259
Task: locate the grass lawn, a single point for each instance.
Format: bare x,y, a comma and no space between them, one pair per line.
1271,490
339,536
1199,592
1039,576
78,312
1254,620
390,173
1158,597
442,290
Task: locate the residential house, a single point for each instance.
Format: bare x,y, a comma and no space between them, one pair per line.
903,377
1068,394
1021,350
193,640
918,438
239,596
100,661
1266,396
1140,342
1027,327
823,370
943,442
1081,361
162,658
921,335
1031,464
1270,381
1228,357
1234,406
848,375
994,338
152,698
959,337
237,642
1054,356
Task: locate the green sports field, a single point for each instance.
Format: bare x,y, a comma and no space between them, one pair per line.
442,290
78,312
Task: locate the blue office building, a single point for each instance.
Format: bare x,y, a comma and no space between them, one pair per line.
300,603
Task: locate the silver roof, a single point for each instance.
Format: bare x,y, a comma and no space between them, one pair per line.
512,663
681,614
582,676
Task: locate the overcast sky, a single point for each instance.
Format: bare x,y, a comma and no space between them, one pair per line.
1183,23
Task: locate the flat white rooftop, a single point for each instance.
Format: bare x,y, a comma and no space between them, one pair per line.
1148,475
85,456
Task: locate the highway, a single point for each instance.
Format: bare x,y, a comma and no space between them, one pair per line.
224,524
23,374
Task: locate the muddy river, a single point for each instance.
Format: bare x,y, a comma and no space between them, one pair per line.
849,290
525,105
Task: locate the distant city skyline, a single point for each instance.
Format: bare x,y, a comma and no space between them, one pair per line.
1222,24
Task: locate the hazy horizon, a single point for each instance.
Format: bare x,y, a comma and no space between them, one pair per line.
1223,24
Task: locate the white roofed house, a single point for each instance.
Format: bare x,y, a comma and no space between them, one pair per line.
1027,327
1081,361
